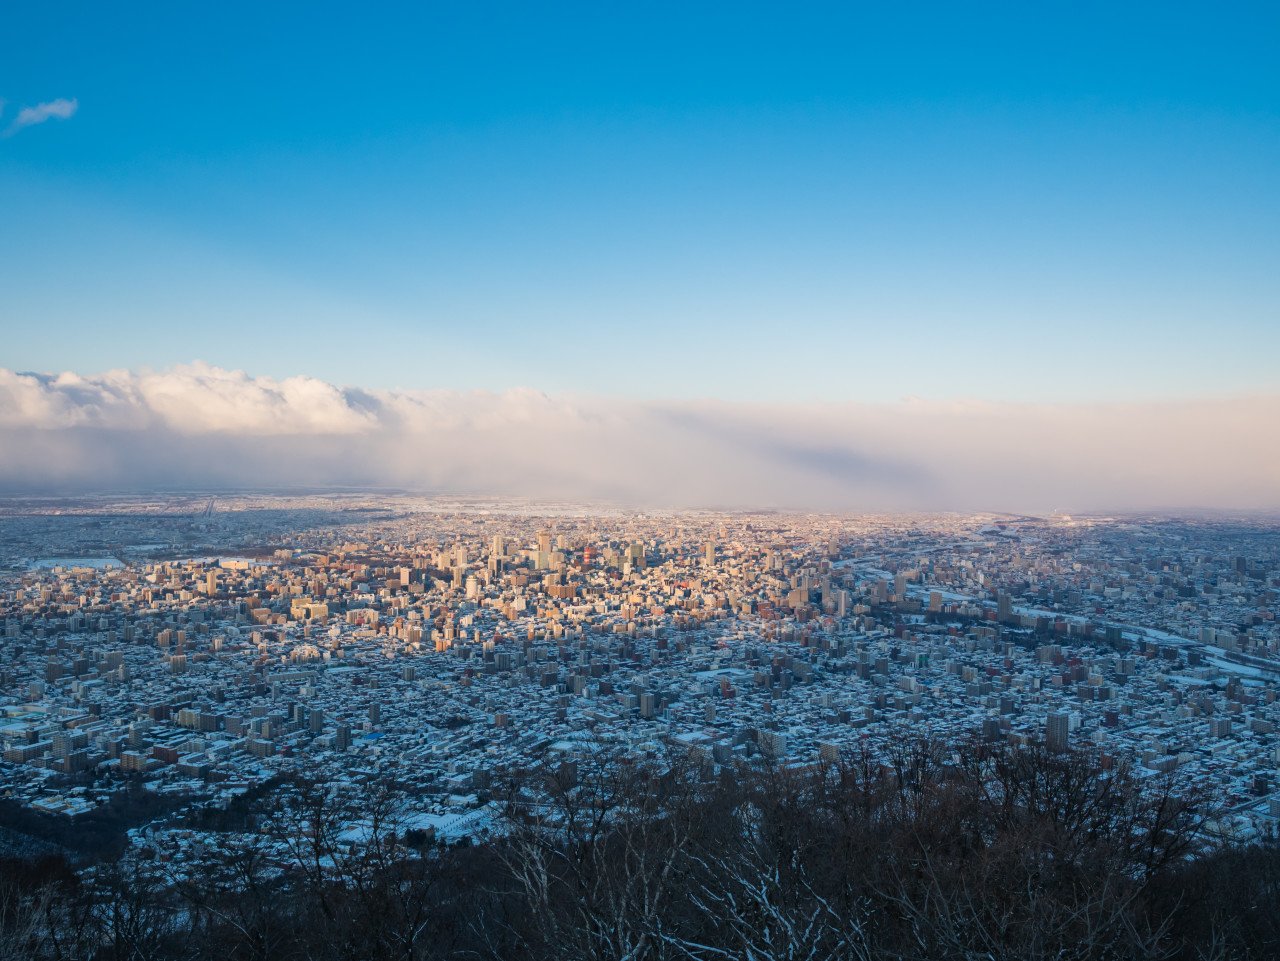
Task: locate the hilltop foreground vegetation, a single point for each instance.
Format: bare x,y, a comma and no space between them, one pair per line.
980,853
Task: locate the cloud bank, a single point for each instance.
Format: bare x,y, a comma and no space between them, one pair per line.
60,109
206,427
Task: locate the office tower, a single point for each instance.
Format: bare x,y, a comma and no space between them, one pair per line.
709,554
648,704
1004,607
1057,729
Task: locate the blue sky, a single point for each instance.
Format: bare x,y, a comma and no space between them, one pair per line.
855,202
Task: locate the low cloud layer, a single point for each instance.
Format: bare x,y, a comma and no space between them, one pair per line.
205,427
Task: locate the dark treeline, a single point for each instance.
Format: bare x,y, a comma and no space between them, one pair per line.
982,853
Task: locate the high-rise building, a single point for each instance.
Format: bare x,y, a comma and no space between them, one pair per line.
1004,607
772,743
1057,730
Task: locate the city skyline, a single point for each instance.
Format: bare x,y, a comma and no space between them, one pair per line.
255,706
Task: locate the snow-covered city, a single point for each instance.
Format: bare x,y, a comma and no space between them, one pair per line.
199,648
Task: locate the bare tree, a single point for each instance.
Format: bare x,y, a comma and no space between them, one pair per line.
756,911
22,920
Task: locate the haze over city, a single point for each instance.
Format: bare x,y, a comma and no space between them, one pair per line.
212,428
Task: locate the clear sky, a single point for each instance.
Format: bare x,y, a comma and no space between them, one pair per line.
845,202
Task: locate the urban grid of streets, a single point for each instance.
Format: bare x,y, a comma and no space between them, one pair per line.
201,646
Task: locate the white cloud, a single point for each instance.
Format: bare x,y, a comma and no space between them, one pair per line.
60,109
207,426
